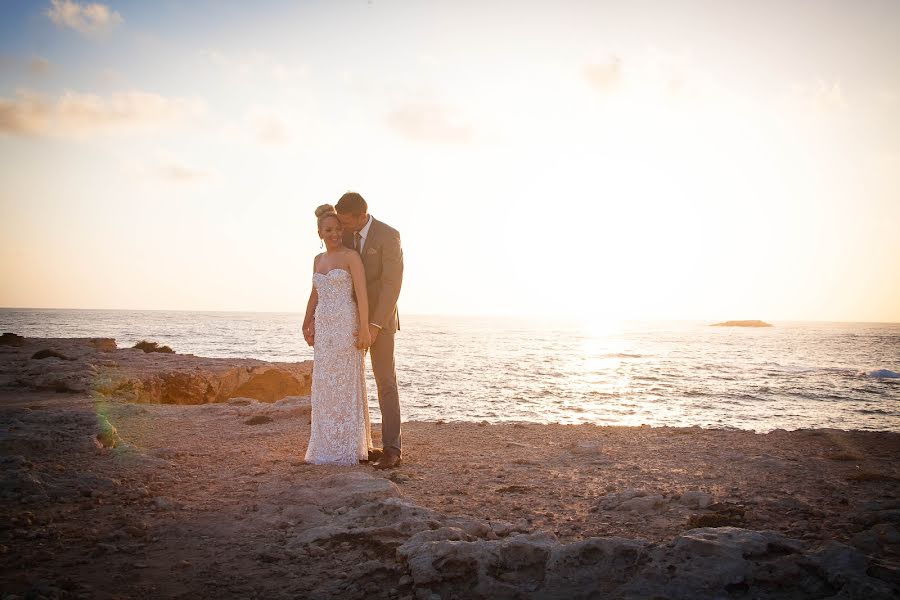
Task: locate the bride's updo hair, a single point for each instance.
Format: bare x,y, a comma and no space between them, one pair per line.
323,212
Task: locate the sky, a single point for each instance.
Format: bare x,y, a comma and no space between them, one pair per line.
709,160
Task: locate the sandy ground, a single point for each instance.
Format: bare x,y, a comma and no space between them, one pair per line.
804,483
177,508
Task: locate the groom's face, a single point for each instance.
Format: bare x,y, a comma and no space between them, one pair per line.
353,222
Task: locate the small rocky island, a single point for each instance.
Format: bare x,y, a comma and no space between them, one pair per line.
753,323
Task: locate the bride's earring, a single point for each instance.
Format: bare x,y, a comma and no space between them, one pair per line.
321,243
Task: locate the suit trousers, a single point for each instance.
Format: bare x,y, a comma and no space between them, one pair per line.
382,356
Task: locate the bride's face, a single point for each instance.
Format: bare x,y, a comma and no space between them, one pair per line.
331,232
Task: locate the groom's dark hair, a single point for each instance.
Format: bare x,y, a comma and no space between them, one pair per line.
351,203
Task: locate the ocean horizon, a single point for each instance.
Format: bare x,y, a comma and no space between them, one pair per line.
538,317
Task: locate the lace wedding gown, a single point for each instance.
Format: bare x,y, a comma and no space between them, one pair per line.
340,432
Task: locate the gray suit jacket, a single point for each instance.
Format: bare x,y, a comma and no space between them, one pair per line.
382,259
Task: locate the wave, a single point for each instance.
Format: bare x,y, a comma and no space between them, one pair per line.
605,394
883,374
622,355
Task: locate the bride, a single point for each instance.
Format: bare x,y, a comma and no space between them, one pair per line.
337,327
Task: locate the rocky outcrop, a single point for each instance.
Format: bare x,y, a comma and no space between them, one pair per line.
11,339
96,365
702,563
441,556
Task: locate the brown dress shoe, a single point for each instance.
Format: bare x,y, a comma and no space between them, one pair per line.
375,454
388,461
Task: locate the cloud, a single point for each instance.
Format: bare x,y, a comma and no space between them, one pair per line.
76,114
28,114
606,76
88,19
39,65
430,122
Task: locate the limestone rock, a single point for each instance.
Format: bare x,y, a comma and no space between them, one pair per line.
695,499
614,499
882,538
258,420
644,504
846,568
48,353
593,567
271,385
514,567
96,365
702,563
710,559
103,344
11,339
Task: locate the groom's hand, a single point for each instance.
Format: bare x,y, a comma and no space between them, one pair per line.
373,333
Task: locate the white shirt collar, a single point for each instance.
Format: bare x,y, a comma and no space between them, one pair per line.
364,232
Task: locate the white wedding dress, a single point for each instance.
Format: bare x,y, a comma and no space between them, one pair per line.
340,432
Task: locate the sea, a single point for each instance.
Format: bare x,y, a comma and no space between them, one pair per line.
793,375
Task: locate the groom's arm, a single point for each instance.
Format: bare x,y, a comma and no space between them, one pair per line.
391,280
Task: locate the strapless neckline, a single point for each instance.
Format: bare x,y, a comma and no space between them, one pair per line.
332,271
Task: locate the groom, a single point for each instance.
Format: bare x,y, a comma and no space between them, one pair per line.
379,246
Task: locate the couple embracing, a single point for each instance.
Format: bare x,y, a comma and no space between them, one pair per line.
352,308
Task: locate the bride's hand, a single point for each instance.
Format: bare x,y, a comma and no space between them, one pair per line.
363,338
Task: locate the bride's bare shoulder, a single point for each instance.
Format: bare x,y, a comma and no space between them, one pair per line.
352,256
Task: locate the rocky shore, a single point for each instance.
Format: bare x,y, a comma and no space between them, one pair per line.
129,475
99,366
